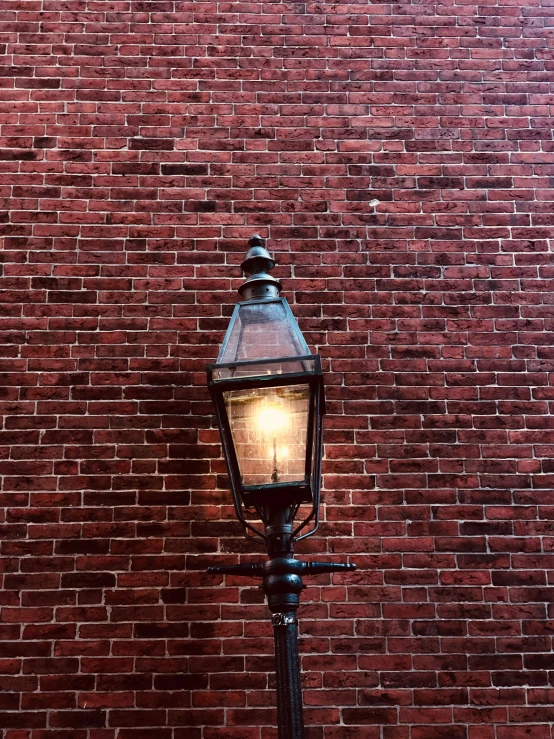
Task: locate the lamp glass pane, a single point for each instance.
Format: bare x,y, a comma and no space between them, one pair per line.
269,429
261,331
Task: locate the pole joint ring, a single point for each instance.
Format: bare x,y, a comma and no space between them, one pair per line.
283,619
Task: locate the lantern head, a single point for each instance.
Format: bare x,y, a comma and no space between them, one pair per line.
267,389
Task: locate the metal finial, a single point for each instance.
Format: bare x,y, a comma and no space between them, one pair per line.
256,266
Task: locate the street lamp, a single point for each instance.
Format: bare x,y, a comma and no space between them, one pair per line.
267,389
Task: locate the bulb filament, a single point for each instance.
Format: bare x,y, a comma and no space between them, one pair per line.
275,473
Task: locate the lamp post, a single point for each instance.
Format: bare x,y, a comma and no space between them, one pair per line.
267,389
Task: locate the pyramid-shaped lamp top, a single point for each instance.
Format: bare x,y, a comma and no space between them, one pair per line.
262,326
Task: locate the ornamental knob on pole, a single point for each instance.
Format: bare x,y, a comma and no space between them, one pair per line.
257,265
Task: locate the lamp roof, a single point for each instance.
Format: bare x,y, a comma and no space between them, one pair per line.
262,330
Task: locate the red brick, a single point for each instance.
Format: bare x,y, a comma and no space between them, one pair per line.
130,184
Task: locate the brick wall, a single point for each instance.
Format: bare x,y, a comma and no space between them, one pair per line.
142,143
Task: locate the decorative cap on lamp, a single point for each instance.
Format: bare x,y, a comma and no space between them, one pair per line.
257,265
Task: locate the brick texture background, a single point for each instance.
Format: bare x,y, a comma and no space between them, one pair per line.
142,143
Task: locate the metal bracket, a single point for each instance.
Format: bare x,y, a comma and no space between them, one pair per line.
283,619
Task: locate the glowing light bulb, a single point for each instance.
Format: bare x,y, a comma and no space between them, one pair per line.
272,419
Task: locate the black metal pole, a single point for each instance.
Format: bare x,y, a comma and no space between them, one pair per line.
282,584
287,673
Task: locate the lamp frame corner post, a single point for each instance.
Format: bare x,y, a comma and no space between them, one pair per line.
264,358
